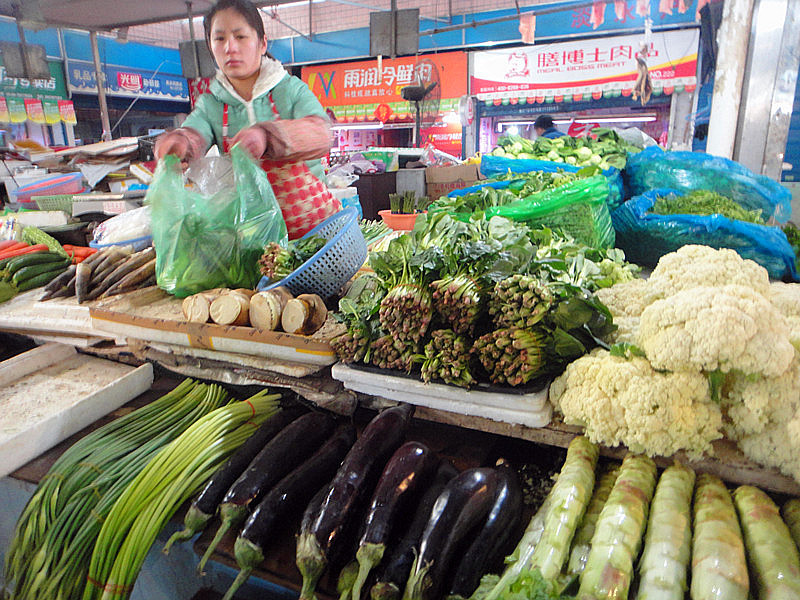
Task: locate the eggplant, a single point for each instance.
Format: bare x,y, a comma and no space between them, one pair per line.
491,541
352,482
205,505
409,467
288,449
291,492
396,569
464,504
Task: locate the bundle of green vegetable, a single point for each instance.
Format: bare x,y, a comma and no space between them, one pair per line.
705,202
604,148
373,230
278,262
55,535
793,235
447,357
512,355
407,203
520,301
168,480
520,185
389,352
406,309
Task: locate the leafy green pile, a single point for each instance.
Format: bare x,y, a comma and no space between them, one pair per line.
520,186
793,235
705,202
278,262
447,273
605,148
373,230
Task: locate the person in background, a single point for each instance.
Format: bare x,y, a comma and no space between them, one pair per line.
543,125
254,102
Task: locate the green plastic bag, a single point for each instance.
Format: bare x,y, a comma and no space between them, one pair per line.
213,237
578,208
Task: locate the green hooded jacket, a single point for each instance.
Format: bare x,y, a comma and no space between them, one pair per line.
292,98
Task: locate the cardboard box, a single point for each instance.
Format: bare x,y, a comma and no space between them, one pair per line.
442,180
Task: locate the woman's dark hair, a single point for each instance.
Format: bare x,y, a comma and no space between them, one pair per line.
244,8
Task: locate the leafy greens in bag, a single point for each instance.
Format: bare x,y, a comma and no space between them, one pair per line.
212,236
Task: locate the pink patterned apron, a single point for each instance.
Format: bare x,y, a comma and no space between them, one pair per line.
304,200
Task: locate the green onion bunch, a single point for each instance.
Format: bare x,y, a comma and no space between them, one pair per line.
177,472
55,535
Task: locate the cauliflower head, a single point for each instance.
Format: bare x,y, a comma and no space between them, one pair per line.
710,328
786,298
764,417
694,266
626,301
621,401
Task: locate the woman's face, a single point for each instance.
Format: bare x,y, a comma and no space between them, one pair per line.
235,45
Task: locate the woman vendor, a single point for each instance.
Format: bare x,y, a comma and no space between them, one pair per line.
254,102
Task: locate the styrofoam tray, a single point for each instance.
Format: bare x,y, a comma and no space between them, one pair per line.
531,409
52,392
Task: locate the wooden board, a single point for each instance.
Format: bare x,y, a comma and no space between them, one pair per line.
61,317
153,315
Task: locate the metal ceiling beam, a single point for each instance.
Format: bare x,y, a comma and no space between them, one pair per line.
105,22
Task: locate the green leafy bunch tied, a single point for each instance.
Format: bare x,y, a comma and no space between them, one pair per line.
511,355
520,301
447,357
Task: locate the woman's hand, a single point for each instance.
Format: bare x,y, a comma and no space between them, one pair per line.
172,142
253,139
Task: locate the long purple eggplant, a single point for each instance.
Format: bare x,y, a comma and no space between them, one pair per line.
409,467
286,451
463,505
396,569
378,441
290,493
205,505
491,541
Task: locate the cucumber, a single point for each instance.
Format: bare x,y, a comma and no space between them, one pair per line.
35,258
26,273
37,281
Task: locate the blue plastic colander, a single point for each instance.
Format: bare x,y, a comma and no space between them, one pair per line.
334,264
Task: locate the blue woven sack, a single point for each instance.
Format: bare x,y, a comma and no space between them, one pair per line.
686,171
646,237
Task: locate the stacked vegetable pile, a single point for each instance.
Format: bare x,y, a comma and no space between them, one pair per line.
110,272
588,541
87,528
484,299
704,202
493,193
371,506
706,346
604,148
30,262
